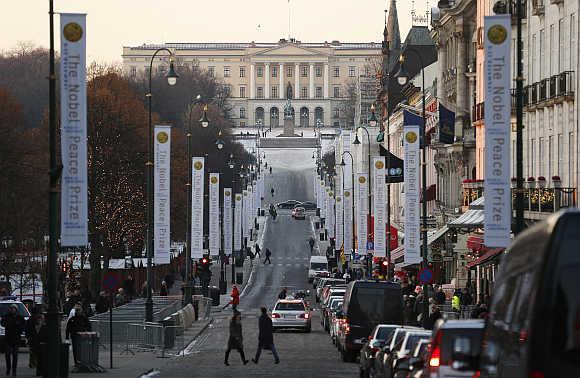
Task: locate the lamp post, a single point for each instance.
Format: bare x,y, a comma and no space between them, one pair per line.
403,79
171,80
232,165
343,164
52,315
372,123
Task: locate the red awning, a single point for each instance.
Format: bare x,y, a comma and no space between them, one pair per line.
489,254
475,242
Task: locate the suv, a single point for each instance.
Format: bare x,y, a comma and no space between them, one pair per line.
447,337
366,305
291,313
369,350
533,328
5,304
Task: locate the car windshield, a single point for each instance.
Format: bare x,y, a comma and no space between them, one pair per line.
335,304
413,340
449,335
384,333
421,350
4,308
290,306
318,266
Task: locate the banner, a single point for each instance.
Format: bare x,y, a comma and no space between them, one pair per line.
73,124
161,194
197,191
446,125
379,207
412,197
227,222
412,119
330,214
238,222
245,220
347,169
339,226
348,220
362,212
394,172
497,110
214,214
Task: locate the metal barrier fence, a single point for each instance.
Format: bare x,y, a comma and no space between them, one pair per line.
155,337
448,313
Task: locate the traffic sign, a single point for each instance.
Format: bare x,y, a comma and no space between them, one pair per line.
370,245
111,282
425,276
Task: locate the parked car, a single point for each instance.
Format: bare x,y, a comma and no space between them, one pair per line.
367,304
334,322
533,326
318,266
291,314
408,366
375,342
449,336
290,204
388,365
389,346
298,213
326,314
324,282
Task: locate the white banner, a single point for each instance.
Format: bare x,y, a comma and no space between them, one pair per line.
238,220
347,169
214,214
379,207
348,220
362,211
255,200
161,194
227,221
245,222
339,226
330,214
498,210
197,191
73,124
412,194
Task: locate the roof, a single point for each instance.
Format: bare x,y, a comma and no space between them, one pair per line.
318,258
419,36
471,218
246,45
464,323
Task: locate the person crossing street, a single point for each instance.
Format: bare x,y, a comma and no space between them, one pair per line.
268,254
236,340
265,337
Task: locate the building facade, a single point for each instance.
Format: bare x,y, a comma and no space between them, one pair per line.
258,75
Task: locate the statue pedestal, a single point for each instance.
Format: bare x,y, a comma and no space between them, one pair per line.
288,127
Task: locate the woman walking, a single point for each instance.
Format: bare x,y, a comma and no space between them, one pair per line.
236,340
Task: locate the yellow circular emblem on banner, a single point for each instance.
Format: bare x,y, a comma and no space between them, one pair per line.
213,180
379,165
238,198
347,194
162,137
362,179
411,137
330,194
337,199
497,34
227,193
72,32
198,165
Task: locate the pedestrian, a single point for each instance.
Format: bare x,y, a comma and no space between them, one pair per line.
456,301
466,298
163,291
272,189
13,324
311,243
268,254
129,286
440,296
78,323
257,250
265,336
35,322
270,169
121,298
102,304
283,293
434,315
236,340
235,301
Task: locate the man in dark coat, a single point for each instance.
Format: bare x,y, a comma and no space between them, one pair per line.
78,323
265,337
102,304
13,324
268,254
433,317
236,340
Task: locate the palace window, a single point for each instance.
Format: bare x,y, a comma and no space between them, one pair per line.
336,71
336,92
259,92
318,71
133,71
211,71
318,92
351,71
260,71
304,93
242,113
304,71
289,71
227,71
242,71
242,91
275,91
274,71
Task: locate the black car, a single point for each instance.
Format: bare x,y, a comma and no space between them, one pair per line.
367,304
534,320
375,342
290,204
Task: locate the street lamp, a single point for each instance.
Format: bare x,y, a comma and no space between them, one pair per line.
204,121
171,80
219,142
357,142
373,120
343,164
403,78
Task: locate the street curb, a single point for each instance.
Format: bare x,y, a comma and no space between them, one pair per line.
261,243
185,351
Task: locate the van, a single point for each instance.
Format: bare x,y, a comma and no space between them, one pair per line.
366,305
533,328
318,267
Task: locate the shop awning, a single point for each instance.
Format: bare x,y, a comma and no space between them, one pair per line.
475,242
471,218
400,251
491,253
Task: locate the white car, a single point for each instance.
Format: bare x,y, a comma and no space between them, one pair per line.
318,267
291,314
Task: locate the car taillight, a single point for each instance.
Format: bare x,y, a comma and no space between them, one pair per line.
304,316
435,359
276,316
477,374
346,327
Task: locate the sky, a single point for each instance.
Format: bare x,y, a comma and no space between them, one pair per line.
112,24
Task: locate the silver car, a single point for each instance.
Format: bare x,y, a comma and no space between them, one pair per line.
291,314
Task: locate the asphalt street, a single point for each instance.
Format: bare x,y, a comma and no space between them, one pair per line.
301,354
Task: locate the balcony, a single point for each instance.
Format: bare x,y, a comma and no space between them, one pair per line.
543,94
547,92
566,84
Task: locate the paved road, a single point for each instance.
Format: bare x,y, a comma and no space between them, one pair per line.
301,354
